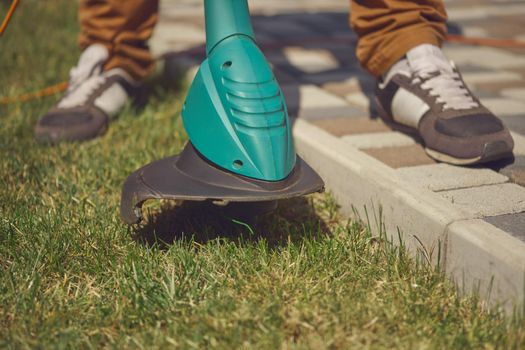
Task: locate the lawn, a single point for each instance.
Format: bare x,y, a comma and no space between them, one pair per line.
73,275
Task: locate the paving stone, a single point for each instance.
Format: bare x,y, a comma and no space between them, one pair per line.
520,72
516,170
284,77
326,22
472,68
379,140
196,20
282,29
519,143
441,177
492,57
471,31
343,75
343,88
515,93
326,113
498,86
264,40
176,9
402,156
273,7
481,12
513,24
475,78
359,99
310,61
312,102
462,14
514,224
489,200
308,96
344,53
172,36
483,94
351,126
515,123
354,84
180,32
306,61
504,106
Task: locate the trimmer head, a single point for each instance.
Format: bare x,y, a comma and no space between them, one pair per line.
190,177
241,148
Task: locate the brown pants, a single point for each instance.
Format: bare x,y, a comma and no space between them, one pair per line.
387,29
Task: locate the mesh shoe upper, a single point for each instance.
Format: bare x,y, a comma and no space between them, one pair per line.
426,92
89,84
93,96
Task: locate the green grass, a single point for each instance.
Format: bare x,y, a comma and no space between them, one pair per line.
72,275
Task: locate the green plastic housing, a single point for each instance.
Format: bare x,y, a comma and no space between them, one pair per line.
235,113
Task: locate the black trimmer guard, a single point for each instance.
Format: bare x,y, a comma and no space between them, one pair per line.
190,177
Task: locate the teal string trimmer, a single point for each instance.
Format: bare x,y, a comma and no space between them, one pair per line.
240,148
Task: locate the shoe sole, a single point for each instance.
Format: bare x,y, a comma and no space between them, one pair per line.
46,136
492,151
53,135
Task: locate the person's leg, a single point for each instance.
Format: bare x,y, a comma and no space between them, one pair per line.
124,28
115,58
418,87
388,29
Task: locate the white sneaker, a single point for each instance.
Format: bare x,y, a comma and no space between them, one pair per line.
93,97
425,92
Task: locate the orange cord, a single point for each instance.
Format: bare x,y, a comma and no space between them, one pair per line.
48,91
55,89
501,43
7,18
51,90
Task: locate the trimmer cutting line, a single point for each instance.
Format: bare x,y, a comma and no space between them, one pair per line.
240,148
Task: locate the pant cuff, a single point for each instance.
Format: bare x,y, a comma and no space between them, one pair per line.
397,48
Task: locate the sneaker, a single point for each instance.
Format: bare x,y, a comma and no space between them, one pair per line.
93,97
425,93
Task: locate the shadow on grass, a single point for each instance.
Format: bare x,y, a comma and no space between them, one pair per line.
157,86
201,222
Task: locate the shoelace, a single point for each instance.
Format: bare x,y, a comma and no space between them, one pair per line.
79,74
81,91
443,82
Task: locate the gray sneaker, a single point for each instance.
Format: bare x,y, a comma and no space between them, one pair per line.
93,97
426,94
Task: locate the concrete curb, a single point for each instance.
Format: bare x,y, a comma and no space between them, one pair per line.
477,255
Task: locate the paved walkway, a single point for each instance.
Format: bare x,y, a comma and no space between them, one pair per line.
311,47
